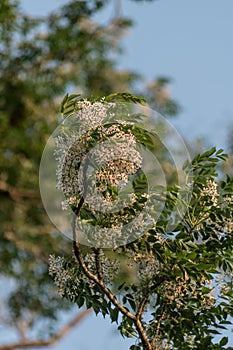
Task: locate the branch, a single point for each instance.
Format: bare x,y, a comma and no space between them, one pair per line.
157,284
160,320
45,343
142,304
97,262
89,274
99,282
141,310
145,342
145,299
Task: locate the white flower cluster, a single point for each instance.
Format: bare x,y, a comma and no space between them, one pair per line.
109,268
66,279
85,141
108,237
60,275
228,227
225,227
229,200
72,144
119,158
184,287
124,226
211,191
148,267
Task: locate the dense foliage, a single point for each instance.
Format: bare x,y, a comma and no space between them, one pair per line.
177,291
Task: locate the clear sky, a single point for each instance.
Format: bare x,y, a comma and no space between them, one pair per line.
191,42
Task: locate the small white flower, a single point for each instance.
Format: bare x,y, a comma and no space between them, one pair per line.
61,276
211,191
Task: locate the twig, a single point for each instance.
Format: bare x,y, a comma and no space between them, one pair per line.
142,304
160,320
145,299
157,284
141,310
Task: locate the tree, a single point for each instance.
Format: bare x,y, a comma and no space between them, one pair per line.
178,293
41,59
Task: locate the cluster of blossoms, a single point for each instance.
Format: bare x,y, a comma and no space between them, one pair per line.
67,277
109,267
72,145
228,200
211,191
97,155
228,226
212,197
62,277
147,269
123,226
145,265
87,147
224,228
183,288
228,223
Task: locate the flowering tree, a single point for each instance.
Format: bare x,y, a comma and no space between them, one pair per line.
176,257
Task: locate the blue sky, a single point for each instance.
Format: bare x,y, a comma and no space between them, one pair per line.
191,42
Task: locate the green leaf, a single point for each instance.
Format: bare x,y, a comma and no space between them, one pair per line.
223,341
209,153
68,104
214,331
132,304
125,97
205,290
114,313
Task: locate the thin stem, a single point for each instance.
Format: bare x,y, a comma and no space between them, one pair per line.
160,320
140,312
157,284
142,304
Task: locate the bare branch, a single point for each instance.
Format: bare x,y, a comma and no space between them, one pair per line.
145,299
45,343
